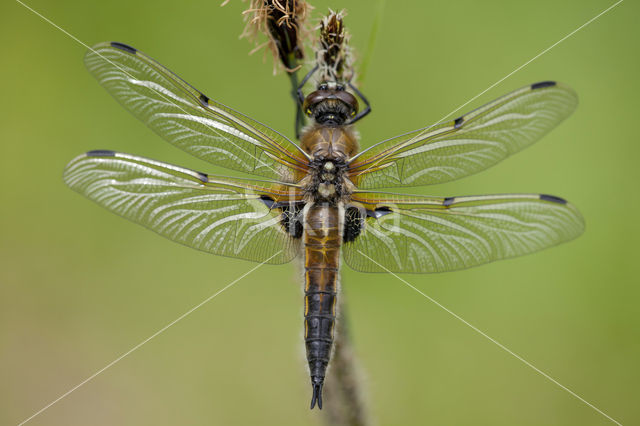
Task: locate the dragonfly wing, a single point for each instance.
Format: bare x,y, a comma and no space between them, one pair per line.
188,119
419,234
468,144
229,217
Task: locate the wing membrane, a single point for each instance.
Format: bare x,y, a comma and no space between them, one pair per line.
468,144
190,120
420,234
229,217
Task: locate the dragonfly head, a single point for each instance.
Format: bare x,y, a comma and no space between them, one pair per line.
330,104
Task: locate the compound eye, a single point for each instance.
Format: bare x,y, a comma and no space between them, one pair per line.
340,87
323,86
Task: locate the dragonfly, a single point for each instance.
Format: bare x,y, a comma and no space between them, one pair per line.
319,200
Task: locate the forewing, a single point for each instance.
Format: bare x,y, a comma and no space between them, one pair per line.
223,216
468,144
420,234
190,120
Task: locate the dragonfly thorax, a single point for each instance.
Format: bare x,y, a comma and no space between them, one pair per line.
327,181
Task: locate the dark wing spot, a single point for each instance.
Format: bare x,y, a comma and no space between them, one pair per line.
542,84
379,212
204,100
124,47
204,178
101,153
553,199
291,219
291,215
353,223
268,201
457,123
448,201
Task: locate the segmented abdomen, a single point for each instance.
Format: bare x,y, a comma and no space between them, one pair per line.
322,238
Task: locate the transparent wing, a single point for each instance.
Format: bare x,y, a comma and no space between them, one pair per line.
190,120
468,144
228,217
420,234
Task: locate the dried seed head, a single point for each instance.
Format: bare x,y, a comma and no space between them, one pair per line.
284,24
333,54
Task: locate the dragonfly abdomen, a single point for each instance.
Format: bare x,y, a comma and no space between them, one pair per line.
322,239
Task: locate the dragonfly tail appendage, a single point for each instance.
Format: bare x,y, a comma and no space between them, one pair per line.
317,383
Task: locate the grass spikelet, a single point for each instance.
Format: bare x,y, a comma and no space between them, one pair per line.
333,54
283,22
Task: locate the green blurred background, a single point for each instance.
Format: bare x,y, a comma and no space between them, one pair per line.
80,286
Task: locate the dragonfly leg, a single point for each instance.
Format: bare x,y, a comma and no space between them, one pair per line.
367,108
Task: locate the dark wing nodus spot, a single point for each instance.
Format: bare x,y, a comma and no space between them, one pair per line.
542,84
204,100
448,201
553,199
101,153
204,178
124,47
290,215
